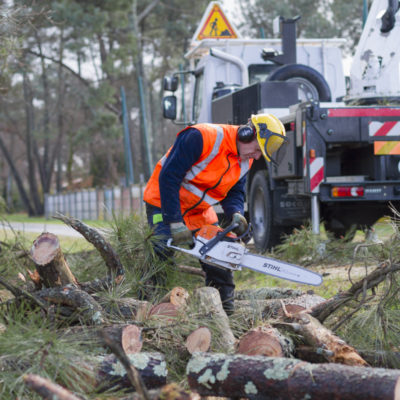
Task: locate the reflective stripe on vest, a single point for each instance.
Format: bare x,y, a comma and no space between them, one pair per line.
198,168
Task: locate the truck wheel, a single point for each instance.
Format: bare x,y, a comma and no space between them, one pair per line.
260,211
312,84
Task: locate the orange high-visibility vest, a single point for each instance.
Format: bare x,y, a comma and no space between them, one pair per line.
219,165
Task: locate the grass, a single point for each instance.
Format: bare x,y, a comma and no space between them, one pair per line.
25,218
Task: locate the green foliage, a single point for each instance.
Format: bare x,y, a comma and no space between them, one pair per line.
303,247
319,18
29,344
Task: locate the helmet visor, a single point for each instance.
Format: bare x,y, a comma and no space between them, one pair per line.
272,145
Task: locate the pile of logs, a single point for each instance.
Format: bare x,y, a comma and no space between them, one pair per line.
289,354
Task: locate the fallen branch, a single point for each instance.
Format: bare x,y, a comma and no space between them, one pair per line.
48,389
370,281
106,251
89,309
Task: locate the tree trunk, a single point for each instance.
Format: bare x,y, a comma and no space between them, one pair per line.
267,378
30,146
50,262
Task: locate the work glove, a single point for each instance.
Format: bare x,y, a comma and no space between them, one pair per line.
181,234
242,224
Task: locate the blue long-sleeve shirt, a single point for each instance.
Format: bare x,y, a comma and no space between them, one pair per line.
185,152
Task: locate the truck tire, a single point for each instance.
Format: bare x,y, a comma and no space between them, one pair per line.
312,84
260,213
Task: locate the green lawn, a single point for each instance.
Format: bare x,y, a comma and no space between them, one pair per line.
24,218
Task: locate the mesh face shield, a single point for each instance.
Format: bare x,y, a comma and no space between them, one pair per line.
272,141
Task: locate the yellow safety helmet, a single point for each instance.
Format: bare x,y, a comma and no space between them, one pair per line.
270,133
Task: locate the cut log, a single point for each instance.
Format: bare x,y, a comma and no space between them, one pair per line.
266,293
198,340
151,367
167,311
50,262
273,307
47,389
209,302
131,339
264,341
106,251
178,296
319,337
269,378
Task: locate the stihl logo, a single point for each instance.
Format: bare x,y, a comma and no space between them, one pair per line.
273,267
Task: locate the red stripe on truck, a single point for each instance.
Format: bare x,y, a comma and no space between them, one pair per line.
363,112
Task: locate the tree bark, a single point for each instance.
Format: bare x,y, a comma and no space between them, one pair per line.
268,378
89,310
151,367
50,262
267,293
273,307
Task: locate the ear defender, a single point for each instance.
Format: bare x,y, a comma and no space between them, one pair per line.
246,134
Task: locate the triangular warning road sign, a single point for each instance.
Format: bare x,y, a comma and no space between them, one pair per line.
215,25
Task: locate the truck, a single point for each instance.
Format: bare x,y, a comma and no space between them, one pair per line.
341,165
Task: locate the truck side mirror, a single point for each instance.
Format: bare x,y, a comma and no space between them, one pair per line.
170,83
169,107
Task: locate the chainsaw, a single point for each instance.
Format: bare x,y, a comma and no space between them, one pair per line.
221,248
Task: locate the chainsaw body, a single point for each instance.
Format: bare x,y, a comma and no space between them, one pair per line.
221,248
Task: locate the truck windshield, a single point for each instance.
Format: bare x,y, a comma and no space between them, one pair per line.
260,72
198,95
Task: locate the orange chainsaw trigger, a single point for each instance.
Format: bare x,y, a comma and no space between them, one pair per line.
210,231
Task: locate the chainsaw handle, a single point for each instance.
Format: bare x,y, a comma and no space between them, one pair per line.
220,235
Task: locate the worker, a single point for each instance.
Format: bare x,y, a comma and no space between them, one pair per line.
207,165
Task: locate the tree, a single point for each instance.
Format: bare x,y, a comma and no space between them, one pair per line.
319,18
